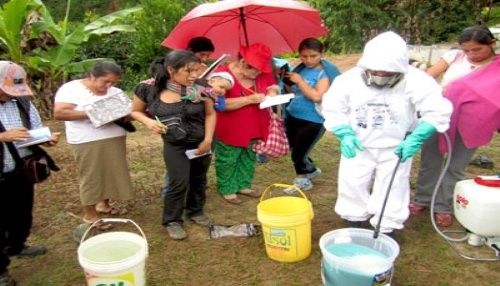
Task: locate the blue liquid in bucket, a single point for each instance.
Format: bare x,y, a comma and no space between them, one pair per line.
347,277
111,251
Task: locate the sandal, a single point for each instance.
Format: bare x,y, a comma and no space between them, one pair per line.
113,211
482,161
100,224
233,200
416,209
249,193
443,220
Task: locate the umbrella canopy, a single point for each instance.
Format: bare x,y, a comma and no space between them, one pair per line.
280,24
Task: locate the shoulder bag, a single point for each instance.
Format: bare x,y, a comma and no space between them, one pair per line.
276,144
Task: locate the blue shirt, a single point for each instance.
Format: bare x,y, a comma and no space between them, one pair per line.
302,107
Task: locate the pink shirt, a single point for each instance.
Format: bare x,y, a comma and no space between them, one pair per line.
238,127
476,106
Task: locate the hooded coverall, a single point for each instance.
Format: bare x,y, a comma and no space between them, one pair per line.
380,118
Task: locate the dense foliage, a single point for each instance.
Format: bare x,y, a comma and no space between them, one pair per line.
134,52
352,23
47,49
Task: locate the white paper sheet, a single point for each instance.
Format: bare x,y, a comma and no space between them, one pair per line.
275,100
191,153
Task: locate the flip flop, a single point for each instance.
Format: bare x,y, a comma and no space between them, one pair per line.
443,220
100,225
250,193
416,209
234,200
113,211
482,161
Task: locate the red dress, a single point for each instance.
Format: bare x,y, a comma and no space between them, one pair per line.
238,127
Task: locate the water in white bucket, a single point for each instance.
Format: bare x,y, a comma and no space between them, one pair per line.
356,253
115,250
114,258
352,257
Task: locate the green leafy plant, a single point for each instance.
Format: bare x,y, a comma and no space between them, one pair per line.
30,36
353,23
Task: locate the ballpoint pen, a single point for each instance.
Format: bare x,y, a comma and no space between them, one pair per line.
163,128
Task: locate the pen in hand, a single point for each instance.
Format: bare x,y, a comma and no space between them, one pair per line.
163,128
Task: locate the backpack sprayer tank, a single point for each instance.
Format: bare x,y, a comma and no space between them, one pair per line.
477,208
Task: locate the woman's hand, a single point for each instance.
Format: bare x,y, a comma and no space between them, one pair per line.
66,111
273,90
204,147
256,98
139,114
238,102
155,125
294,77
54,139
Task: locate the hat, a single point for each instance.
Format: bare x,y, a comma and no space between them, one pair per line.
258,56
224,75
13,79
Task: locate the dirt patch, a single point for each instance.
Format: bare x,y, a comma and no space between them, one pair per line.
343,62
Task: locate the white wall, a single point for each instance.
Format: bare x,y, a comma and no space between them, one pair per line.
429,54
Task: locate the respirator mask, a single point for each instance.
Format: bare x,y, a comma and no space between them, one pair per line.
381,81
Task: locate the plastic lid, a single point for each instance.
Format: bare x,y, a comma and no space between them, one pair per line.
489,181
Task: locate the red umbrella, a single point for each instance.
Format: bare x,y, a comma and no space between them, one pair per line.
280,24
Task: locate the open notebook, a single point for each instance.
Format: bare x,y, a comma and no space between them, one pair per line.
108,109
38,136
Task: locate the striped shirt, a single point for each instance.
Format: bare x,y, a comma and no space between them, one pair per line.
11,118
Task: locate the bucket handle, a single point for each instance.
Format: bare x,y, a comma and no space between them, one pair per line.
285,186
121,220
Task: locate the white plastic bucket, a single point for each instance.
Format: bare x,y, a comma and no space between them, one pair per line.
351,256
114,258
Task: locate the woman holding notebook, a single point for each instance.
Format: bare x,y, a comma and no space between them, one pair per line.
100,152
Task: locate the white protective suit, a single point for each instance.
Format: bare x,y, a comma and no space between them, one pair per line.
380,118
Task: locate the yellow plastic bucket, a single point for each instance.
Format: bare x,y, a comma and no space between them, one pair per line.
286,225
114,258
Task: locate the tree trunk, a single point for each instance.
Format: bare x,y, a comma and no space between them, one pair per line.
113,5
44,97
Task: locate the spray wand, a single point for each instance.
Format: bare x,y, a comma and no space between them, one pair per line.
377,228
